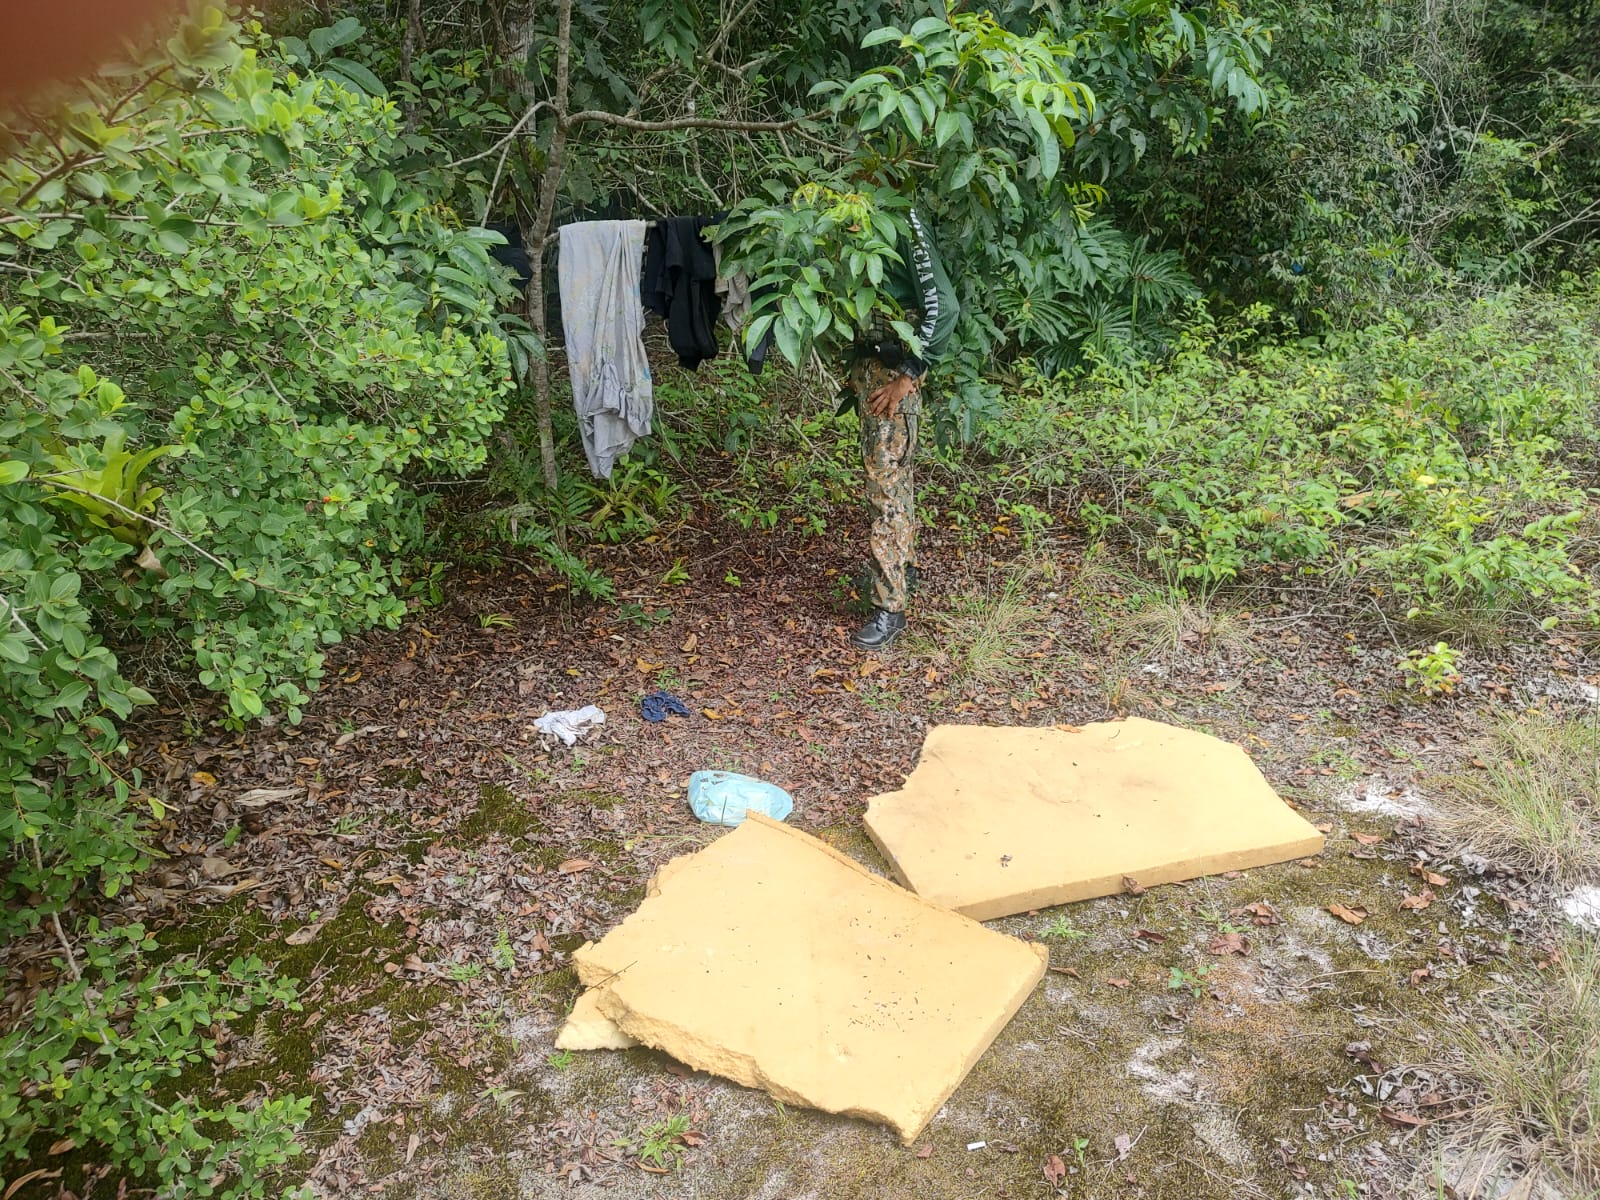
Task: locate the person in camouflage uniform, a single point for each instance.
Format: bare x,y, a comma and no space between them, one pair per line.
886,378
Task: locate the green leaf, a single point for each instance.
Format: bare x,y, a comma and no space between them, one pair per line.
72,695
911,114
1050,157
788,339
927,26
946,127
171,239
355,76
11,471
182,226
73,642
965,170
274,151
879,36
757,330
341,33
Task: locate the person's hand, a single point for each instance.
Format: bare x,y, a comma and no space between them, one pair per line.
885,401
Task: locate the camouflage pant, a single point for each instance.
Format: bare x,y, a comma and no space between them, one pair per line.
888,449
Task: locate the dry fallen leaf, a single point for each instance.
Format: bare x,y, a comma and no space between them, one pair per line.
1118,983
203,779
689,643
41,1173
1054,1170
1367,839
61,1147
1402,1120
1362,1053
1420,974
1131,886
1123,1144
1417,903
925,1150
259,797
1259,914
1229,943
1352,916
1150,935
412,1143
1432,877
216,868
573,865
305,935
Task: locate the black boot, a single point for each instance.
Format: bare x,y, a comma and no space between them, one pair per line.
880,631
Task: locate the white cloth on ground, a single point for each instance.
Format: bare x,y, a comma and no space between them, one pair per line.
604,322
571,724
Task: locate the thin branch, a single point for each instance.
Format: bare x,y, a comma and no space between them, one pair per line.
71,162
593,116
55,482
16,619
1590,211
55,918
504,140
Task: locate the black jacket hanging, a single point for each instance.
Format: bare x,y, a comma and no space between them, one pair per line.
680,285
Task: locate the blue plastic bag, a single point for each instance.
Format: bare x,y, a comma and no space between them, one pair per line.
724,798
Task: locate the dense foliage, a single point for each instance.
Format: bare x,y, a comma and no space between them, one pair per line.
230,343
1281,289
1437,467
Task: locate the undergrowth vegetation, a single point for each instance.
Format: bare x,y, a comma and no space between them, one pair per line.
1437,465
1535,1054
1275,293
1536,801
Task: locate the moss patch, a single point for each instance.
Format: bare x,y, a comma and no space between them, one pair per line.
499,812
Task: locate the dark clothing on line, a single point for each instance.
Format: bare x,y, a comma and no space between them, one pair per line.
680,285
513,254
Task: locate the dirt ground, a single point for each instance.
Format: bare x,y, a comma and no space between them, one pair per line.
425,864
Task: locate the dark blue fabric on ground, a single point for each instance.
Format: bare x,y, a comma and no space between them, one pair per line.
657,705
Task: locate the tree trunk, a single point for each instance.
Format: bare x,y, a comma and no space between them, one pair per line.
408,49
538,240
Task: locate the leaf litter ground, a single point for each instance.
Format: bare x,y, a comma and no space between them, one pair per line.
426,864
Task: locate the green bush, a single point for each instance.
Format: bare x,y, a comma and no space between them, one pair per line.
97,1059
231,343
1429,463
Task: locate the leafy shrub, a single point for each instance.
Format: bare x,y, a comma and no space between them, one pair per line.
228,338
230,343
1431,672
96,1060
1428,462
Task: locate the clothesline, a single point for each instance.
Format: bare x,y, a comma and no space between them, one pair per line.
610,272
